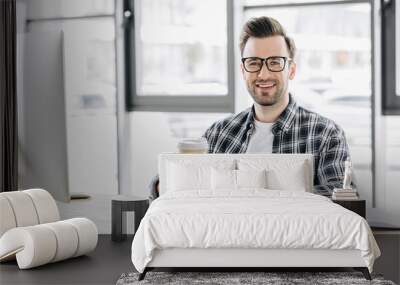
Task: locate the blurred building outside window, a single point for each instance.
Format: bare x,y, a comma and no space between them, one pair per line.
181,53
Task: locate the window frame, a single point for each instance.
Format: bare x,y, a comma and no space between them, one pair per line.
390,100
174,103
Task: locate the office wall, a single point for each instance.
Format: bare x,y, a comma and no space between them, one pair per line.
86,71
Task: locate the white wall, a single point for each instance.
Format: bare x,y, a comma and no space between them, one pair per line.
89,90
386,210
151,135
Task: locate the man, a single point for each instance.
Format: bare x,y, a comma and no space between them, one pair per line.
275,123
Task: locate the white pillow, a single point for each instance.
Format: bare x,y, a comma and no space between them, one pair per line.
187,175
279,180
184,177
223,179
226,179
251,178
282,173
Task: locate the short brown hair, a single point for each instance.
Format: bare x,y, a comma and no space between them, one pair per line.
262,27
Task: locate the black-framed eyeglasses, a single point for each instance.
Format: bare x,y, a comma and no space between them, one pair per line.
273,63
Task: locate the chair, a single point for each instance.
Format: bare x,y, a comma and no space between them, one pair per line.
31,231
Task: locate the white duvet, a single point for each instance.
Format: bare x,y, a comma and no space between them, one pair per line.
250,219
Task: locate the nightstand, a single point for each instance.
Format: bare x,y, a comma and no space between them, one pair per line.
357,206
121,204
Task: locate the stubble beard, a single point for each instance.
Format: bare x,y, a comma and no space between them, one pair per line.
266,98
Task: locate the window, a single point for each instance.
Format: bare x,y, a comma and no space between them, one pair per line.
390,59
178,52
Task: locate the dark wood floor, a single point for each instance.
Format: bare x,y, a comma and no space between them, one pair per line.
102,266
111,259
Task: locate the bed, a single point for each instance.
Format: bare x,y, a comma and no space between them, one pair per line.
247,210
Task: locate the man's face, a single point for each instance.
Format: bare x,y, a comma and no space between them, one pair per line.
266,87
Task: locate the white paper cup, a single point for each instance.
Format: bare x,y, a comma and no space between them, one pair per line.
193,145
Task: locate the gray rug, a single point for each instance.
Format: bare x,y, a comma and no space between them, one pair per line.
229,278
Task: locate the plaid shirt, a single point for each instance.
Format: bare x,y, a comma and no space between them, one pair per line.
297,130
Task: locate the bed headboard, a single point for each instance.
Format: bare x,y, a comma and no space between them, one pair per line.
289,168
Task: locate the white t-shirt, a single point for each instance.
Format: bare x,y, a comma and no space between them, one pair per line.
262,138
